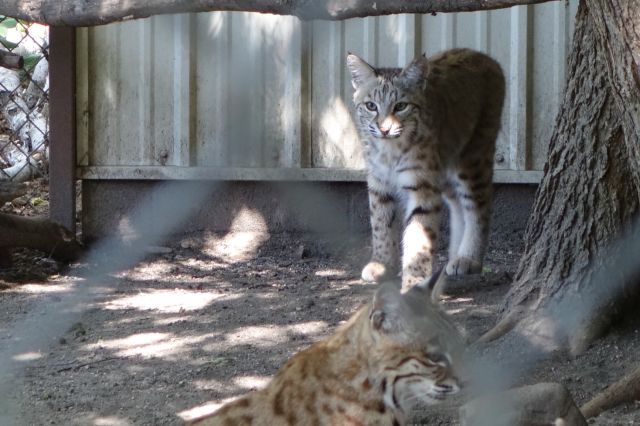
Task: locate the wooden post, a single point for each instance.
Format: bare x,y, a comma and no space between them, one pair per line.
62,127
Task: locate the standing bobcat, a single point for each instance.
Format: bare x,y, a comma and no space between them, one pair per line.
429,133
398,350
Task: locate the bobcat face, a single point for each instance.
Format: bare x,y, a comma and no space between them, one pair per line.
385,99
419,377
426,380
385,112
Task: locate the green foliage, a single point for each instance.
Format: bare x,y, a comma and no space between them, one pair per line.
31,60
36,201
7,24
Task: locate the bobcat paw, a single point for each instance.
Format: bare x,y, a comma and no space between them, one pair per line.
374,272
463,266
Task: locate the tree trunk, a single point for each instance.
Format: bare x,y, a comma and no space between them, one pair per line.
591,184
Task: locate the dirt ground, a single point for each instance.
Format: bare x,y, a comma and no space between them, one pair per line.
214,316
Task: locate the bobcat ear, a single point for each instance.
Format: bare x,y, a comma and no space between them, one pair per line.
360,70
386,304
432,286
417,70
377,319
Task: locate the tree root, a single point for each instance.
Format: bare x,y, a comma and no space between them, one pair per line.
624,390
11,190
505,325
38,233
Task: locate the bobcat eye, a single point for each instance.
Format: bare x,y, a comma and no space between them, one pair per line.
438,358
371,106
400,106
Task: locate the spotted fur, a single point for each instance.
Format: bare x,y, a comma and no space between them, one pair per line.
429,134
397,351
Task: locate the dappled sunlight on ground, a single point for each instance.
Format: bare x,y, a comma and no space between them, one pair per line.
164,271
208,266
251,383
171,301
149,345
240,245
332,273
28,356
266,336
110,421
309,328
204,409
243,383
156,270
235,247
258,336
43,288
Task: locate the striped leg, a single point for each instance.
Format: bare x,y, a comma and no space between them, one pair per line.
422,221
384,236
474,197
456,222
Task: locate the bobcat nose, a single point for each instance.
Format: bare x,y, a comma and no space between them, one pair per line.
386,126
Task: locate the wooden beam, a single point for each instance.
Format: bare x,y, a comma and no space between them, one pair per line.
62,127
99,12
263,174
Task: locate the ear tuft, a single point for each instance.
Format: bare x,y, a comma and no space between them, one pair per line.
417,70
432,286
360,70
434,279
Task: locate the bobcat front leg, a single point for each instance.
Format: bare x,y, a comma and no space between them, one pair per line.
473,205
384,236
422,222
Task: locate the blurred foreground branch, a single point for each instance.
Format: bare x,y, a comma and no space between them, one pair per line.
98,12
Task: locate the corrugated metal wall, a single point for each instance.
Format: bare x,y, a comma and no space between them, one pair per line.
252,96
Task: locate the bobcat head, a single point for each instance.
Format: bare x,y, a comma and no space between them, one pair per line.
417,346
387,100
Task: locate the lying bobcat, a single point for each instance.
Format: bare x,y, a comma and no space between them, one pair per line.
395,352
429,132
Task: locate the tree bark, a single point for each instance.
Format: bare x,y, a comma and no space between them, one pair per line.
591,184
98,12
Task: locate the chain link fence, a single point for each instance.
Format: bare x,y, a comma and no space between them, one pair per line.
24,116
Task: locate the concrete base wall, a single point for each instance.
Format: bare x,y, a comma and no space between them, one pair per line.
306,207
